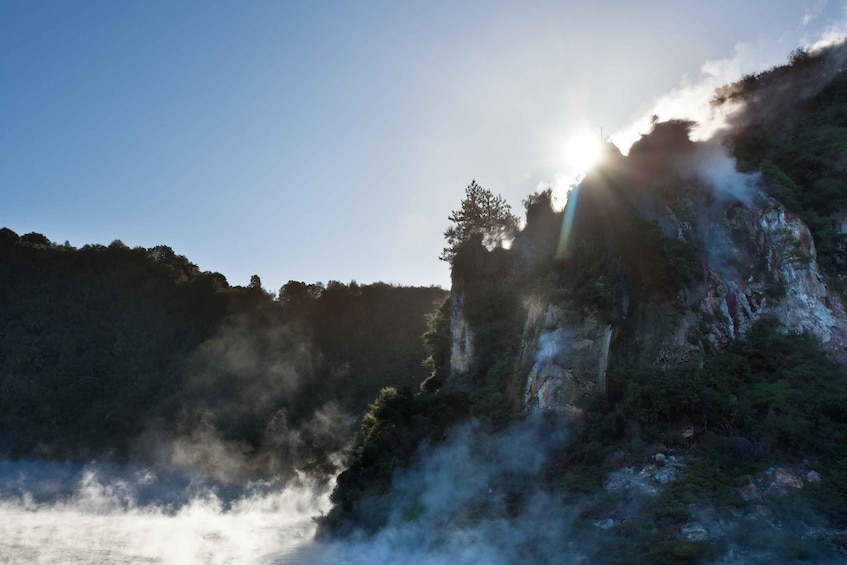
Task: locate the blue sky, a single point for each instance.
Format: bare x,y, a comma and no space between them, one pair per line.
330,140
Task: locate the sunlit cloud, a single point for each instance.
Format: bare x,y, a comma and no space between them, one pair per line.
561,186
691,100
834,33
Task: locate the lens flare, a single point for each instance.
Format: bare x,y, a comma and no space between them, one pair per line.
567,224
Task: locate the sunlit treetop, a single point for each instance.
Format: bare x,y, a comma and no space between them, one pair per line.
482,215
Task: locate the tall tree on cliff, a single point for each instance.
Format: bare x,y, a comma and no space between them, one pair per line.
483,215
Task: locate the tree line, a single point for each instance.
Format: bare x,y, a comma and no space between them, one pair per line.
101,344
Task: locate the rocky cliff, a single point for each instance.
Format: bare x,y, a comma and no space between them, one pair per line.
736,256
649,375
461,334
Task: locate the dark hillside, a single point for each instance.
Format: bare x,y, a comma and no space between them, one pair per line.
101,346
790,124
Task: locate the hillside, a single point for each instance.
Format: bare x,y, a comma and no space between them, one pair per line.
112,352
654,374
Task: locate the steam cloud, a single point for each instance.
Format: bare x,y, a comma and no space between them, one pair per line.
692,100
244,376
55,513
711,164
479,497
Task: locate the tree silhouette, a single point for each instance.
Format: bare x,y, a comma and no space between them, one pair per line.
482,214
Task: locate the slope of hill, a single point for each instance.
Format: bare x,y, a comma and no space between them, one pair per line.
118,352
682,328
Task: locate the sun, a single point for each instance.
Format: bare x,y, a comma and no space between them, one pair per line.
582,151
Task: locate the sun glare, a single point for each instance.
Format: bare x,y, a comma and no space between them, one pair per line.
582,151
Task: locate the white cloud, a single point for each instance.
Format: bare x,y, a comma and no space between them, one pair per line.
833,33
813,11
691,100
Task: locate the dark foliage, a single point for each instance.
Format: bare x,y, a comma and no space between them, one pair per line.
438,342
774,398
99,345
482,215
778,390
396,425
793,128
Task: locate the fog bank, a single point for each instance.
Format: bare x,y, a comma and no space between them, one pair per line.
106,513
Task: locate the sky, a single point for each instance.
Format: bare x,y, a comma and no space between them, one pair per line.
321,141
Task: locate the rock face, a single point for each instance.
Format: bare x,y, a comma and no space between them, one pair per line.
678,255
763,263
757,260
567,357
462,346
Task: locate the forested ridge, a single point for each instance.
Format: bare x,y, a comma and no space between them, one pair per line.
103,346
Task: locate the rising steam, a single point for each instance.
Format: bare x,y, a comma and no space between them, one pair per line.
54,513
694,99
247,377
478,497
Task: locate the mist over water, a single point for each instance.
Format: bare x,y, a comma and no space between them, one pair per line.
476,498
108,513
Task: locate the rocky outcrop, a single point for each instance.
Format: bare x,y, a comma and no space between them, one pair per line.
757,260
762,262
762,506
462,339
567,357
648,478
691,255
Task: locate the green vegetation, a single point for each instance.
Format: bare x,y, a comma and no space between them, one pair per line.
400,421
779,390
397,423
437,340
793,129
100,345
482,215
772,399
